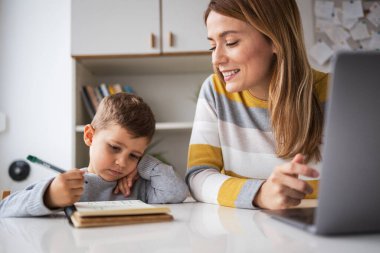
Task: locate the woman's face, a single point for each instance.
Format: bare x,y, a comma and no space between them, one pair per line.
241,53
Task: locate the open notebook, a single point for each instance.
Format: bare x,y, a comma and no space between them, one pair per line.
108,213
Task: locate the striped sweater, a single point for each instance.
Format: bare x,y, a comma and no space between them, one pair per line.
232,148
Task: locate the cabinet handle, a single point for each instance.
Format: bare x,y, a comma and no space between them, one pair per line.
171,39
152,40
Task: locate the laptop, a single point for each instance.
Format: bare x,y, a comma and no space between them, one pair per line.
349,189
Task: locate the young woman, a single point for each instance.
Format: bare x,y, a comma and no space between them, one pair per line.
258,123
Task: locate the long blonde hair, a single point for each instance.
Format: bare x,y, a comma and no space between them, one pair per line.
295,111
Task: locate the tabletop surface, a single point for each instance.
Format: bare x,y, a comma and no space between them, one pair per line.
197,227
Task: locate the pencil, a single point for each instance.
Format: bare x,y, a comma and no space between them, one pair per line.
43,163
69,210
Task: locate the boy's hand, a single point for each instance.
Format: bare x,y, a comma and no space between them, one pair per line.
124,185
65,189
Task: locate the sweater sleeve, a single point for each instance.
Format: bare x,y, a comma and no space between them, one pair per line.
205,159
163,184
27,202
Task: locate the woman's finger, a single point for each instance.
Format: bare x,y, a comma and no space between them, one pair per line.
291,193
292,202
295,184
298,169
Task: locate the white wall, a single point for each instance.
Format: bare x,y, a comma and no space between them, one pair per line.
35,85
306,9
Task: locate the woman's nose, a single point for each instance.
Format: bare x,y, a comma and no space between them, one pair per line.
218,56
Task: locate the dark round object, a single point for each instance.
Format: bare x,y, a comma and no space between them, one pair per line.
19,170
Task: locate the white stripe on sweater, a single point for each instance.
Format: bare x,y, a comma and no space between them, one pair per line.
253,165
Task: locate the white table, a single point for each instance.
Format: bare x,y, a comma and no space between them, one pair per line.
197,227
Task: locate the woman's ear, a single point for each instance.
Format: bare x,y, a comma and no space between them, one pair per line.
274,49
88,134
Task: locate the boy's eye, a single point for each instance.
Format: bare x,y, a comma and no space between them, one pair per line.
135,157
114,148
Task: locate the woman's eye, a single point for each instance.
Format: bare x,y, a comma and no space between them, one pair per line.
212,48
231,44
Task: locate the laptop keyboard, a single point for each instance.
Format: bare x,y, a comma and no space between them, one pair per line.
302,215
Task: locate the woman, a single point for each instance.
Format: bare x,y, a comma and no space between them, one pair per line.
259,120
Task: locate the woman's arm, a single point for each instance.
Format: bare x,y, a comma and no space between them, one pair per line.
205,159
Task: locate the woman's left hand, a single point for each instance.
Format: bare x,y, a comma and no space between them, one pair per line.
125,184
283,188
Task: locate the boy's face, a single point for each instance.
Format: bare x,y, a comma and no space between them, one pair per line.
114,153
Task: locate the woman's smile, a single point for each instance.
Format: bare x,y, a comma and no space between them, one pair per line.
230,74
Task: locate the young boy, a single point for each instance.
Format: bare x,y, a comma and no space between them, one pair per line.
117,137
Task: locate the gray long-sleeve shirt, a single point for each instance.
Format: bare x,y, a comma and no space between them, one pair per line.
158,183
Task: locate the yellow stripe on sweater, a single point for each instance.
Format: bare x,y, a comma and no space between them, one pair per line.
315,185
321,85
229,191
205,155
241,97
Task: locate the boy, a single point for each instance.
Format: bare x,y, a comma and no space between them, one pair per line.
117,138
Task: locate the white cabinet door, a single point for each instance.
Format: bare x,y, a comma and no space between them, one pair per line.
115,27
183,28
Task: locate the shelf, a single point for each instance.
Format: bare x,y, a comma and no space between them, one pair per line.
160,64
162,126
174,126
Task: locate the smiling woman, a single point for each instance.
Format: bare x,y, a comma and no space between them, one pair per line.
258,123
241,54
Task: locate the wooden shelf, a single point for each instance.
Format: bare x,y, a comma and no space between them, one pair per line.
174,126
161,126
160,64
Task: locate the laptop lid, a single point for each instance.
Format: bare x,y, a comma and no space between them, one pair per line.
349,191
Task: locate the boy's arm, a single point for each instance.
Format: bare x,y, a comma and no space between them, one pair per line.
45,197
28,202
164,185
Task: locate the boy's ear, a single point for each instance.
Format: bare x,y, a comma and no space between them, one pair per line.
88,134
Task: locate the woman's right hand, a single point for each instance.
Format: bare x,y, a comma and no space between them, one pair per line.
283,188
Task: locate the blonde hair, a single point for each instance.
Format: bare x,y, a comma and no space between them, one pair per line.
295,111
127,110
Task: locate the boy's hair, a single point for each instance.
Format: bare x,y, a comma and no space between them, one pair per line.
127,110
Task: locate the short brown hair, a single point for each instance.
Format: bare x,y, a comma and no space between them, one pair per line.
127,110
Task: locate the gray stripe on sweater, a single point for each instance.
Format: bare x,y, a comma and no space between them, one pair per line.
235,112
